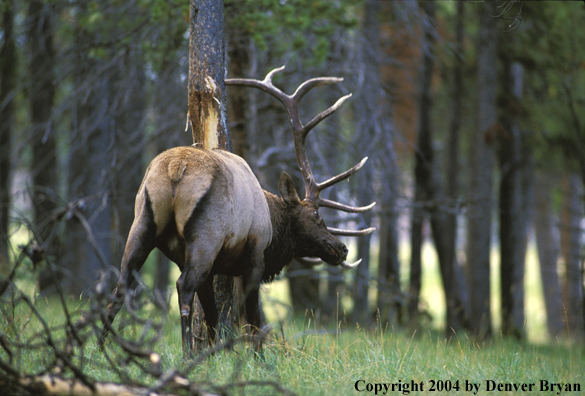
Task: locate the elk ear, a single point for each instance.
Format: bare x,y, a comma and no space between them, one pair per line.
287,190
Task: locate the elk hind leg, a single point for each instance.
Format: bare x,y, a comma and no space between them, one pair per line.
141,241
206,296
199,261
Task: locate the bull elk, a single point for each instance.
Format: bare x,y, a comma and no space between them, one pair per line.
205,210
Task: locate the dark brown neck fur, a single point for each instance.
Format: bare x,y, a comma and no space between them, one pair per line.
280,252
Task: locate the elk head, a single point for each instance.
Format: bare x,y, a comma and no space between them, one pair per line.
312,202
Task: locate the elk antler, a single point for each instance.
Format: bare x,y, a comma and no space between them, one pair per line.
300,132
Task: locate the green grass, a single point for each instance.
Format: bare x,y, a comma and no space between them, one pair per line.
312,360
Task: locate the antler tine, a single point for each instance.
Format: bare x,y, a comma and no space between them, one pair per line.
340,231
313,261
312,83
321,116
300,132
341,176
346,208
265,85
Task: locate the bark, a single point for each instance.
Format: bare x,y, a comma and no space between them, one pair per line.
55,385
208,119
548,244
7,91
571,236
482,165
207,96
512,215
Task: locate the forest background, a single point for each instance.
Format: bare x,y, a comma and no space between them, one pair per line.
471,114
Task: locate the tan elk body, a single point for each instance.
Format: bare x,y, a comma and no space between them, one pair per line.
205,210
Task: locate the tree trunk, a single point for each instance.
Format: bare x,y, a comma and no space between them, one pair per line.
208,119
368,123
128,125
482,165
512,216
548,243
207,96
457,304
7,86
571,235
87,246
428,192
389,301
44,142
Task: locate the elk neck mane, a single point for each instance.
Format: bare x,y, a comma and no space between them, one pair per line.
280,252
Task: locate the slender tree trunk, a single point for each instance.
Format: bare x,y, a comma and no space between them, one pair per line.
423,159
458,306
389,301
44,142
571,235
366,106
208,119
7,92
482,165
87,248
427,185
129,118
512,216
548,243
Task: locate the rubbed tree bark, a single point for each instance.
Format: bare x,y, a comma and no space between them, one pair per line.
482,165
571,234
7,86
208,119
512,214
548,244
207,96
